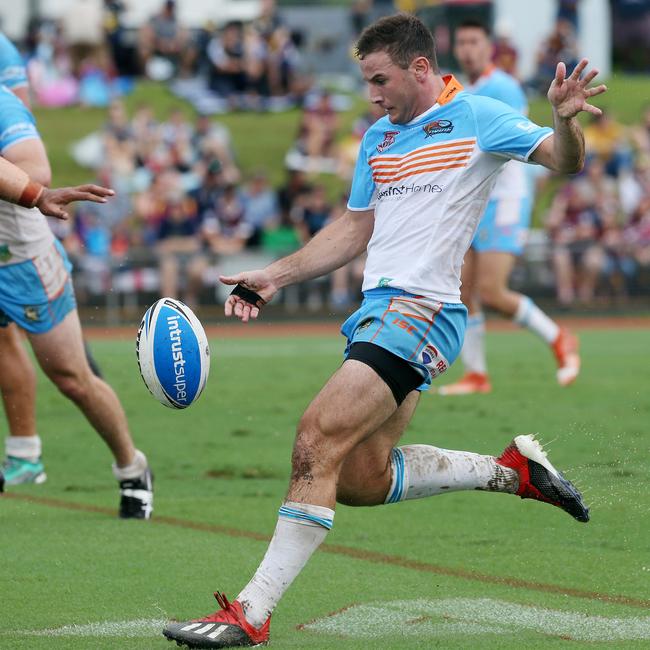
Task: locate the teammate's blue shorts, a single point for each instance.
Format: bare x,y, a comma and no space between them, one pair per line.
426,333
37,294
504,226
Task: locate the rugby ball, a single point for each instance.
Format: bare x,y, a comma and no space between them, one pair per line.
173,353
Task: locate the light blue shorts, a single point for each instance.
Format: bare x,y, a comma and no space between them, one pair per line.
504,226
37,294
426,333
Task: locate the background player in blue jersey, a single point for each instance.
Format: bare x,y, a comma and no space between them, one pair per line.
22,463
500,237
36,294
345,448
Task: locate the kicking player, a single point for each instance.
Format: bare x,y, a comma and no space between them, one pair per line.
36,293
423,177
500,237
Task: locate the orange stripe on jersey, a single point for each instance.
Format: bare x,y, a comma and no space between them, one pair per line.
461,154
425,156
417,152
400,177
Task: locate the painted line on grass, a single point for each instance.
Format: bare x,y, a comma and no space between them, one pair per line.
473,616
355,553
141,627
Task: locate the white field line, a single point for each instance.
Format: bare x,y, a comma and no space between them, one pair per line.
141,627
467,616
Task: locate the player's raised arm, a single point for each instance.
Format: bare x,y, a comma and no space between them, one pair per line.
564,151
333,247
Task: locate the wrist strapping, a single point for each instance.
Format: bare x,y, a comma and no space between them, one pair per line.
31,194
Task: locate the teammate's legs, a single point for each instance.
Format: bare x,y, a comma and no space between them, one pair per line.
22,462
60,352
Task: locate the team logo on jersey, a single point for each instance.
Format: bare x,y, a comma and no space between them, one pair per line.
32,314
389,138
438,126
383,282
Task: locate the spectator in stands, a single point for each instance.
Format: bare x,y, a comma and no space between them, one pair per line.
311,212
228,232
360,14
211,140
606,139
123,54
640,134
177,137
226,52
575,224
163,36
82,28
261,208
504,53
181,262
292,193
560,45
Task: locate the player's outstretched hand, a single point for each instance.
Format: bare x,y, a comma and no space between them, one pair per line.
258,281
52,202
569,95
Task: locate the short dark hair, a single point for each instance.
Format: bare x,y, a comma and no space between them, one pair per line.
475,23
402,36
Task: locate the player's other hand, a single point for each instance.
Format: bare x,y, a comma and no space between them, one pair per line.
569,95
52,202
258,281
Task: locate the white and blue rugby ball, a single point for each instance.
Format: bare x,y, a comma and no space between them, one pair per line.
173,353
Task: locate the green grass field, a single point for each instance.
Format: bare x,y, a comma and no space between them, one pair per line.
466,570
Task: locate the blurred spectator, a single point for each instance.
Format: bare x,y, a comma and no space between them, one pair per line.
631,34
179,249
163,37
606,139
561,45
576,222
261,210
228,232
360,12
226,52
177,138
504,54
82,27
122,51
640,134
211,140
568,10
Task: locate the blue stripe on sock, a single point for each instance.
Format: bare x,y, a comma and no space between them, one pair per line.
397,460
292,513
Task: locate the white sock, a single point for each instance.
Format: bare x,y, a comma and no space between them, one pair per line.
473,351
531,316
25,447
420,471
300,530
134,470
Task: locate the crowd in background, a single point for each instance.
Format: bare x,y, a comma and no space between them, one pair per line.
184,203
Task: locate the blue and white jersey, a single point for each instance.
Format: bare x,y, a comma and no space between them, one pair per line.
13,73
429,181
24,233
495,83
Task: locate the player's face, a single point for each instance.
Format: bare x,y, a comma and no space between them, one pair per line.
473,51
392,88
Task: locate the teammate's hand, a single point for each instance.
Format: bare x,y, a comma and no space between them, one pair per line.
258,281
569,95
51,202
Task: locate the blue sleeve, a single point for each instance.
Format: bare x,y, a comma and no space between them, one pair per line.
12,67
16,122
503,131
363,185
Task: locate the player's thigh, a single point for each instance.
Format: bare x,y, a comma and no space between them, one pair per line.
370,457
60,351
493,269
352,405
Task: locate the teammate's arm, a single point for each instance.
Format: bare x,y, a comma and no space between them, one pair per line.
17,187
334,246
31,157
564,151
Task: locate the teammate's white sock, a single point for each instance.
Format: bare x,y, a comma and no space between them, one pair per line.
421,471
134,470
25,447
531,316
473,351
300,530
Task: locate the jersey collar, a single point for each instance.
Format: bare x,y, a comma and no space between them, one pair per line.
451,89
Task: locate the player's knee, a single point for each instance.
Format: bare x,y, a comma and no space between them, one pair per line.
491,294
72,386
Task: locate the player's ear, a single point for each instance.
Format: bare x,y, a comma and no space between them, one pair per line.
420,67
